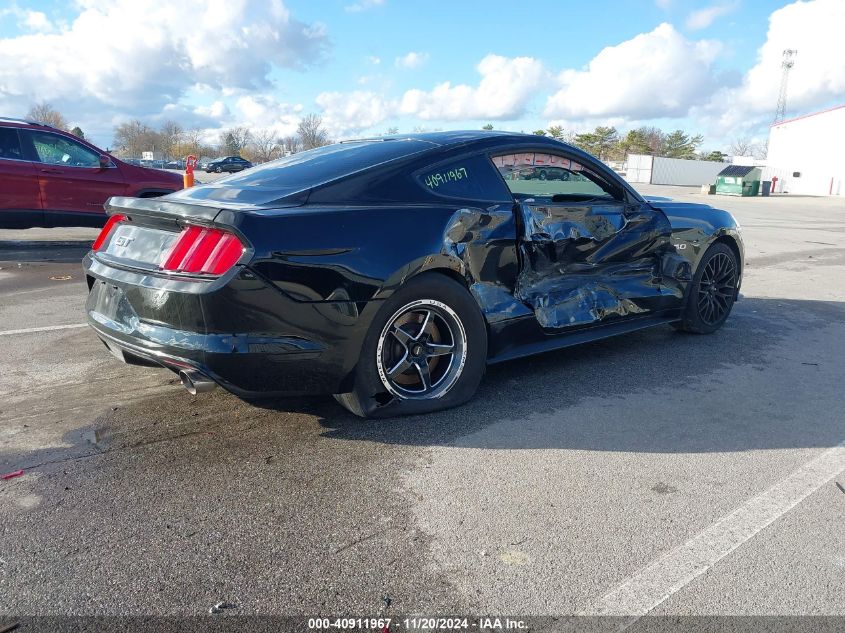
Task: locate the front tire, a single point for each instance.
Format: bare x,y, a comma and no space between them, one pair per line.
426,350
712,292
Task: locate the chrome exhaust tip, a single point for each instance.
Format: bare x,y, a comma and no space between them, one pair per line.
194,382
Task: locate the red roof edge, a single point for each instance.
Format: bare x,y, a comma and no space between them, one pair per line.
807,116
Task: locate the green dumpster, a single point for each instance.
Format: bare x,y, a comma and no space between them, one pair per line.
738,180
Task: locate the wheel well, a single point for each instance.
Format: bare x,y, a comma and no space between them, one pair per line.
448,272
731,244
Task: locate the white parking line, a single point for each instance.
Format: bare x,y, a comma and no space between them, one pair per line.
48,328
670,573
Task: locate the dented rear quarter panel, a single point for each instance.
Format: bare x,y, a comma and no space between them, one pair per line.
363,254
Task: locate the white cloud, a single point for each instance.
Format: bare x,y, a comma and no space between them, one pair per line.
217,110
28,20
346,113
506,86
132,58
363,5
663,4
816,80
411,60
656,74
265,112
375,61
37,21
702,18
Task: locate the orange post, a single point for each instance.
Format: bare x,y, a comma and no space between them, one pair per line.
190,163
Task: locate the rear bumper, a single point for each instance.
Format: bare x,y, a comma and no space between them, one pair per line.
240,331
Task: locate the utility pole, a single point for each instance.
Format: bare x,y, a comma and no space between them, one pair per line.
787,64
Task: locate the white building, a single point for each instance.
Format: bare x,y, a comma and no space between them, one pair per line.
807,154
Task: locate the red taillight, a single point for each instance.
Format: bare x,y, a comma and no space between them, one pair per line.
107,229
203,250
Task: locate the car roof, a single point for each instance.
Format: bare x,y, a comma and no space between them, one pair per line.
477,139
25,123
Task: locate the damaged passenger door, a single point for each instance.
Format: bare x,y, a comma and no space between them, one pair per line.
590,252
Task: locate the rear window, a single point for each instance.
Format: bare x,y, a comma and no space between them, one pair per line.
279,178
471,177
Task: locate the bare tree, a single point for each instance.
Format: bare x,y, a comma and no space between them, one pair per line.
45,113
171,137
133,137
290,144
311,133
655,140
743,146
234,140
191,143
264,146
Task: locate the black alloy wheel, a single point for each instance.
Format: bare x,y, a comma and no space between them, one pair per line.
425,350
712,291
422,350
717,288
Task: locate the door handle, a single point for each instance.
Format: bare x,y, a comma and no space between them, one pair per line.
51,171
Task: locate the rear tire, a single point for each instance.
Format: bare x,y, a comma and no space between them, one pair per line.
712,292
426,350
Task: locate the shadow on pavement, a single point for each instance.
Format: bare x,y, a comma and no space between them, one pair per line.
768,380
624,394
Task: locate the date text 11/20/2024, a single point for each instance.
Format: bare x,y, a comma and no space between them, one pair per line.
419,623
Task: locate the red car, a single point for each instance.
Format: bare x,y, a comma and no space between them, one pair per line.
52,178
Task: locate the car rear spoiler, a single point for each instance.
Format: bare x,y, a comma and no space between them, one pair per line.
162,209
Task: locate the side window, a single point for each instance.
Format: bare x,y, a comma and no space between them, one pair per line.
58,150
10,144
471,178
549,176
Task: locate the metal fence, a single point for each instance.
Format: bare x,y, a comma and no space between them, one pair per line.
671,171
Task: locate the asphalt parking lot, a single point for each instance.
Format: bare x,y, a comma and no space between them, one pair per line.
658,473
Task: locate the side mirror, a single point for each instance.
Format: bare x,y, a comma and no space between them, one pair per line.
105,161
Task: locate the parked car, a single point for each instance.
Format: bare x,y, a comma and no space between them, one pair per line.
391,271
175,164
49,177
153,163
547,173
229,163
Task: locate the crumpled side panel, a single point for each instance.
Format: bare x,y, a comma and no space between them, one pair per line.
583,300
485,241
497,302
587,264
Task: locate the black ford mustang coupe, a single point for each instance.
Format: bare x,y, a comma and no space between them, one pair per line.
391,271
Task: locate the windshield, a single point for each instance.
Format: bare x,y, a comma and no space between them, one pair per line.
279,178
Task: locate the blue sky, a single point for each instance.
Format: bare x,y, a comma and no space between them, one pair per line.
370,65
